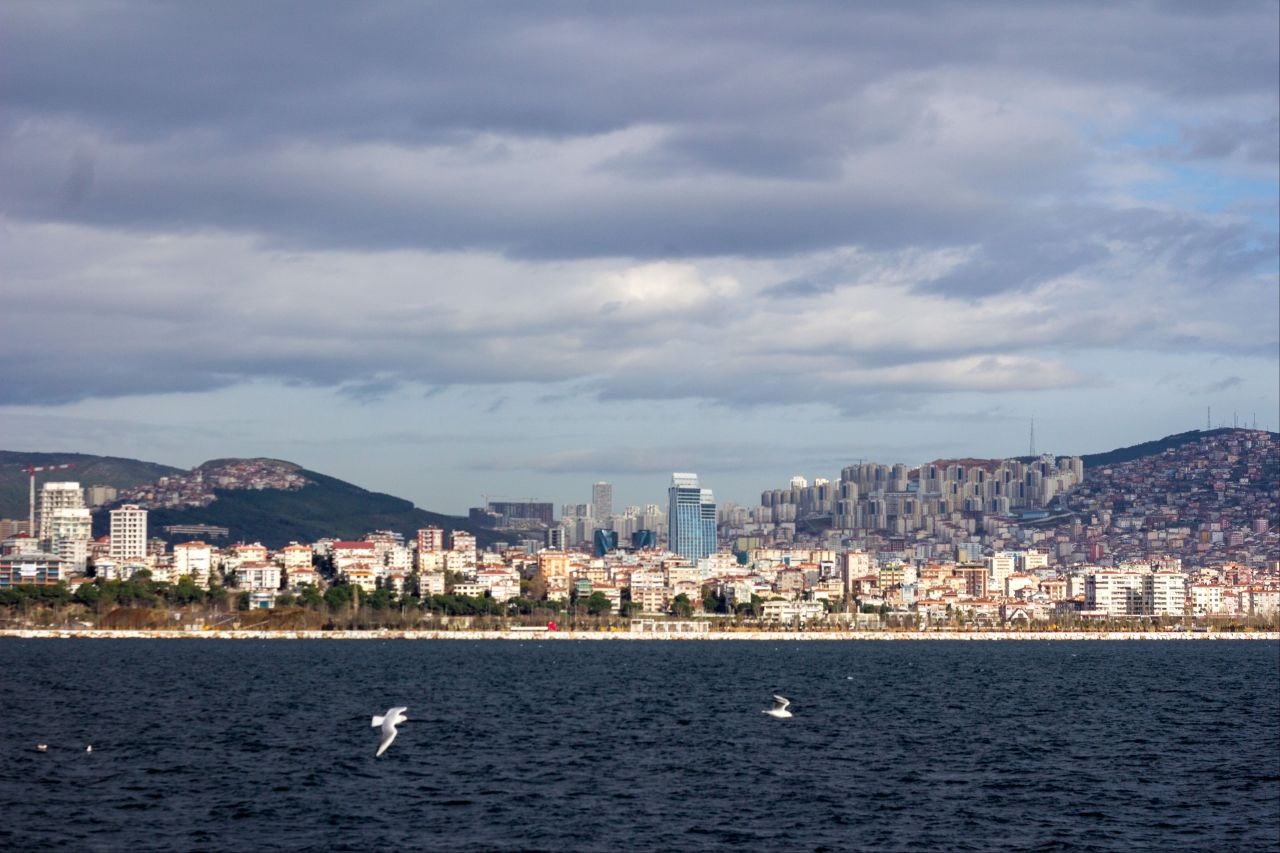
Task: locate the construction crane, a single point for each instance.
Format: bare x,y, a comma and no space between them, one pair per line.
31,504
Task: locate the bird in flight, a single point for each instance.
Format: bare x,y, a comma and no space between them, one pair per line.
389,721
779,708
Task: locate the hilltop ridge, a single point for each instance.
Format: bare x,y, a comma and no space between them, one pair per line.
276,501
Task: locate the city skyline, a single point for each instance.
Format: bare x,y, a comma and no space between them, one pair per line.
442,254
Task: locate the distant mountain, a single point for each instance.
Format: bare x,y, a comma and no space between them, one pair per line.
326,507
88,471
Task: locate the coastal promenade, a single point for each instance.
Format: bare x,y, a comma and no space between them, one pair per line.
94,634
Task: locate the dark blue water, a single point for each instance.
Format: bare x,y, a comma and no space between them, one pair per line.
586,746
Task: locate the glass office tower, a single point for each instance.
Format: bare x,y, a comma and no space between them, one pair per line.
691,518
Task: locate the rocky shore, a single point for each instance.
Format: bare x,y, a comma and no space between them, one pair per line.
33,633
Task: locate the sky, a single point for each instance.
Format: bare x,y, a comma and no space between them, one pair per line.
508,249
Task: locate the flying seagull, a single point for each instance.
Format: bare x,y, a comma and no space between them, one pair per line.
393,718
779,708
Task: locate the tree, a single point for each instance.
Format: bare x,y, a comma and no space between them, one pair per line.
537,587
681,606
187,592
598,603
242,600
338,596
309,596
87,594
631,609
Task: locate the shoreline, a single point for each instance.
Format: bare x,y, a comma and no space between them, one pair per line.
388,634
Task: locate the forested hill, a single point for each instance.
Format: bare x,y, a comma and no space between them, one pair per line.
89,470
326,507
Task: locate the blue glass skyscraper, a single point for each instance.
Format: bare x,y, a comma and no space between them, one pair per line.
691,518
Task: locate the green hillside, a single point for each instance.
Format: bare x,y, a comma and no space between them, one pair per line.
88,471
328,508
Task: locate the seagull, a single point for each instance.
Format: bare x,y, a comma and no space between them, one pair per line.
393,718
42,747
89,748
779,708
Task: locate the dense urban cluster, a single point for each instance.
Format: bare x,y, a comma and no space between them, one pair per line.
196,487
1186,535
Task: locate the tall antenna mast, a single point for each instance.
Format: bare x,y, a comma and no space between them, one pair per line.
1033,438
1208,413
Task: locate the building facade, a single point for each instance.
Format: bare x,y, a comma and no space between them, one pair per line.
129,533
691,518
601,502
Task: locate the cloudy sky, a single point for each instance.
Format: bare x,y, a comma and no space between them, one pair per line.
512,248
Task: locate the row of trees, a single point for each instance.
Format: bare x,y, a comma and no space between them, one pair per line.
138,591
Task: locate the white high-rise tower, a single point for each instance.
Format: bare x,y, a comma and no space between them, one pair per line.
54,497
128,533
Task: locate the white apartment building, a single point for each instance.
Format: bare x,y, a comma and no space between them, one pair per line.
1018,582
258,577
1167,593
194,559
431,583
296,557
1264,602
1032,560
1122,593
128,533
70,530
792,611
1206,599
349,554
398,558
296,578
430,562
718,564
55,497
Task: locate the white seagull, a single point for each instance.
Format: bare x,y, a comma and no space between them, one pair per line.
779,708
393,718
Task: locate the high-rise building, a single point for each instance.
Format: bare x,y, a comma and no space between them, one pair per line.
70,531
56,496
430,539
691,518
129,533
601,502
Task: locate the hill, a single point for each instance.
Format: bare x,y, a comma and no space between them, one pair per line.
1146,448
325,507
89,470
1151,448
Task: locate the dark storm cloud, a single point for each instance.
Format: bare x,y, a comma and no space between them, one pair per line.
951,158
212,96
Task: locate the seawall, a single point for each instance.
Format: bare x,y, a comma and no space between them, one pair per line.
881,636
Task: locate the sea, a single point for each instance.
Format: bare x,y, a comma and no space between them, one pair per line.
562,746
